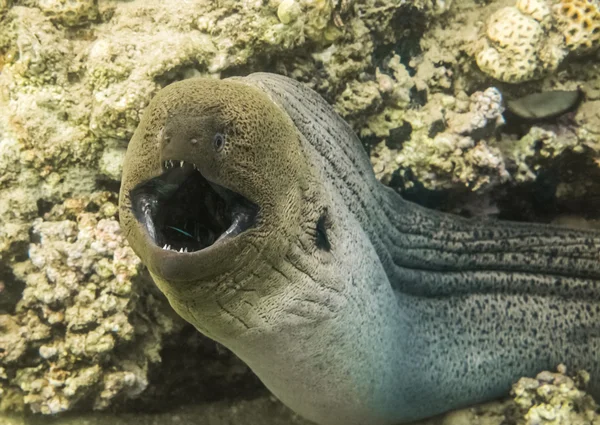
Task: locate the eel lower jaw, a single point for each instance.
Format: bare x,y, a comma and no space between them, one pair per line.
184,213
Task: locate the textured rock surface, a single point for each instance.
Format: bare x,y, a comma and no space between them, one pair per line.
80,325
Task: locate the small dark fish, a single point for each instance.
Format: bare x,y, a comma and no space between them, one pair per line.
545,105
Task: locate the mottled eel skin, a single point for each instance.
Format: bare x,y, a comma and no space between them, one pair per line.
352,305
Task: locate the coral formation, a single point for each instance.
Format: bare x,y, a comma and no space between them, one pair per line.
537,9
450,143
87,325
579,22
70,12
4,5
516,47
548,399
555,398
512,153
531,39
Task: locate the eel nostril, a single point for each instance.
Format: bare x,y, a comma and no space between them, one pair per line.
193,141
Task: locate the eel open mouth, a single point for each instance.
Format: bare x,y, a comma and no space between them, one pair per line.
184,212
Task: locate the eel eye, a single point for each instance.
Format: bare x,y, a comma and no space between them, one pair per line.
219,142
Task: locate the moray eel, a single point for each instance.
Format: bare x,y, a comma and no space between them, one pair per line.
257,213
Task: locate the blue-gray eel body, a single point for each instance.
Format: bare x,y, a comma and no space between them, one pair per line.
352,305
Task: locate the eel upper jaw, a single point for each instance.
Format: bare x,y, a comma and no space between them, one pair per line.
183,213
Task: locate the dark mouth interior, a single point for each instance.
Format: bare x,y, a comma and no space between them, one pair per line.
184,212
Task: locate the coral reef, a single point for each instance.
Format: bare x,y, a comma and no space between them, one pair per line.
263,410
555,398
75,78
87,325
420,147
548,399
451,144
424,83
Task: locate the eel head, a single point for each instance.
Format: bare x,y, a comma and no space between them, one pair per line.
212,172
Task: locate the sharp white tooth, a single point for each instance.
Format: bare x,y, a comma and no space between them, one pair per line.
180,249
170,163
181,163
165,247
185,250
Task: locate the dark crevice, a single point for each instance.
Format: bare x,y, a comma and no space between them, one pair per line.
408,24
43,207
11,290
399,135
322,240
195,369
108,185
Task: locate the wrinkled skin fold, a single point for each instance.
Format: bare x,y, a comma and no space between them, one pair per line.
255,208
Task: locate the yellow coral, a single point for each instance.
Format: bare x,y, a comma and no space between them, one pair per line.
579,22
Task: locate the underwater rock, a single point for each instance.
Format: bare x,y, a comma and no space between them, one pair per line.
288,11
444,78
554,398
548,399
4,6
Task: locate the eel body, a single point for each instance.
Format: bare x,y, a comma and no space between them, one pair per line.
255,208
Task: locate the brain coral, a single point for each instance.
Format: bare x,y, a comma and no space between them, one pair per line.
579,22
511,51
531,39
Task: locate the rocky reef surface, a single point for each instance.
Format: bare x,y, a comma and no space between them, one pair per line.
426,84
